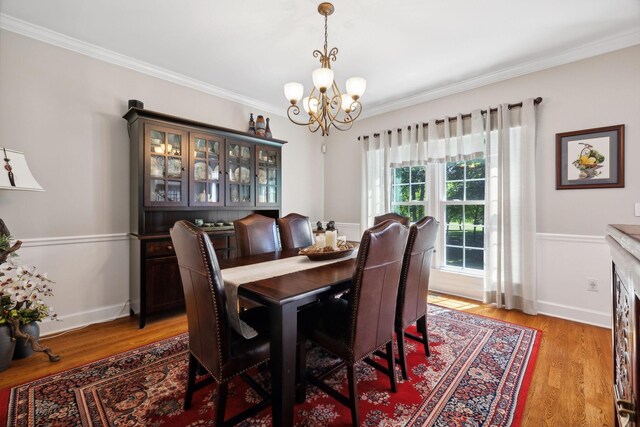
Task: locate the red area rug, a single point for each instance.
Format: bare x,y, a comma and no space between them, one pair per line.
478,374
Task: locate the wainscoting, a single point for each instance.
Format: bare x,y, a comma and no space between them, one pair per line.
92,277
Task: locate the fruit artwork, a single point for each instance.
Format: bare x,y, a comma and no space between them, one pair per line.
589,162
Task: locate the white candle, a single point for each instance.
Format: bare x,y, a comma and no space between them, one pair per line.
332,239
321,241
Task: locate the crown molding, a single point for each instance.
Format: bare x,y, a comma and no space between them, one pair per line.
608,44
605,45
28,29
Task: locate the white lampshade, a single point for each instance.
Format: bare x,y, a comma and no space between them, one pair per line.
346,102
310,105
22,176
322,78
293,91
356,87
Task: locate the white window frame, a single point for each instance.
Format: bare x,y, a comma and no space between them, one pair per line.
427,192
441,209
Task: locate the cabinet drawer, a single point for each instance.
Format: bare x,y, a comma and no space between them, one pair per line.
160,248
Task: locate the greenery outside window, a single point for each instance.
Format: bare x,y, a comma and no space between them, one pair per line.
464,187
409,191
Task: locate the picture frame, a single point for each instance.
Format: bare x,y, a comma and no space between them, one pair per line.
590,158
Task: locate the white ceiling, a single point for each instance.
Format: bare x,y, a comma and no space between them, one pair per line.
408,50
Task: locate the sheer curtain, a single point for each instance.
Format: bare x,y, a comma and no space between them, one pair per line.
414,145
507,139
510,215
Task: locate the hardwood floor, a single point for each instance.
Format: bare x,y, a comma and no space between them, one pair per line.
571,386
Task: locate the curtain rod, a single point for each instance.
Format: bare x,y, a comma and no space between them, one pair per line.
536,101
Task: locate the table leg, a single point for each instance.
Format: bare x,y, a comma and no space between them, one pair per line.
283,327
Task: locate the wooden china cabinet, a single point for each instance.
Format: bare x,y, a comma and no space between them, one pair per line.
184,169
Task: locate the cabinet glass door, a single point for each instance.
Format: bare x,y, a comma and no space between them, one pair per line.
165,163
267,176
239,174
207,164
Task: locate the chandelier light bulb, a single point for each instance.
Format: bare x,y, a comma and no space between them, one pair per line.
346,103
322,78
293,91
310,105
356,87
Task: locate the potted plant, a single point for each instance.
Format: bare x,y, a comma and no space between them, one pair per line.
21,304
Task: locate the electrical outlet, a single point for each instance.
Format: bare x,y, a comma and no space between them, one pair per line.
592,284
637,209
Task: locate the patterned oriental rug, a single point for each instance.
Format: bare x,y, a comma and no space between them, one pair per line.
478,373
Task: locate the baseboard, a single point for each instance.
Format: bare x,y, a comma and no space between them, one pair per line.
575,314
84,318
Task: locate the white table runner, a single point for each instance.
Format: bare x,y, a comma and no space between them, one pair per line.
236,276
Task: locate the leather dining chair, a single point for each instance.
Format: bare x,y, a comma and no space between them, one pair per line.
353,329
414,286
213,346
404,220
295,231
255,234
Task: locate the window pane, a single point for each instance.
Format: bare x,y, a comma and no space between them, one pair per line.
418,192
454,230
401,176
475,190
401,193
474,236
417,213
418,174
475,169
474,214
454,170
453,256
474,258
455,191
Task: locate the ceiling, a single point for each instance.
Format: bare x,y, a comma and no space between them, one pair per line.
409,51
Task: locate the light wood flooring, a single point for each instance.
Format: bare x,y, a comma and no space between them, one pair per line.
571,386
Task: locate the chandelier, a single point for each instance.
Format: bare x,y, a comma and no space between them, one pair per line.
325,105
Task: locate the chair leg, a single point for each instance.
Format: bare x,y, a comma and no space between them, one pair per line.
221,403
191,381
353,395
401,353
301,373
391,360
422,328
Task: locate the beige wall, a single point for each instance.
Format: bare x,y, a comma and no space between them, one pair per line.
64,110
600,91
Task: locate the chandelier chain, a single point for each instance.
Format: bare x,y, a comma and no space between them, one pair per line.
325,35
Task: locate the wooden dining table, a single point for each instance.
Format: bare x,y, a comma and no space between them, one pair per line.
284,296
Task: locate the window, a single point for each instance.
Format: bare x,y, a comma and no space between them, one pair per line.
462,207
464,214
409,192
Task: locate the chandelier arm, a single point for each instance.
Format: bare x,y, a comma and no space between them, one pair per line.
295,110
332,54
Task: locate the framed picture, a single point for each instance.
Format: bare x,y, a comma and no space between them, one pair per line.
590,158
